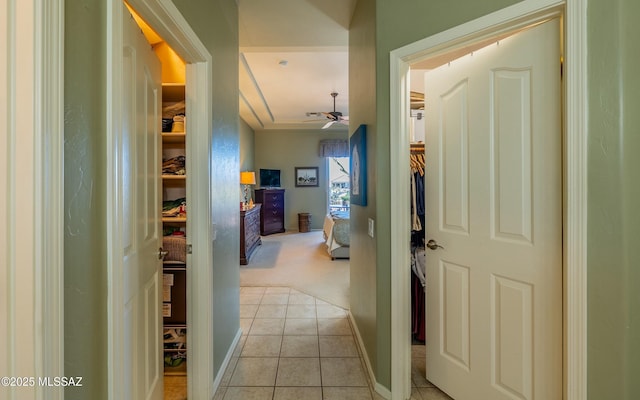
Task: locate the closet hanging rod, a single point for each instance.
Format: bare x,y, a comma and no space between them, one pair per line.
417,147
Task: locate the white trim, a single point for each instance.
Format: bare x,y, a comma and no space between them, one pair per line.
227,360
31,250
50,199
507,19
502,21
116,358
400,233
200,322
576,117
167,21
165,18
381,390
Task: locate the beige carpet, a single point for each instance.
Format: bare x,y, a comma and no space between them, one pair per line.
299,261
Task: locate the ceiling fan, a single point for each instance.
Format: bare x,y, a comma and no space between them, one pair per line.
333,116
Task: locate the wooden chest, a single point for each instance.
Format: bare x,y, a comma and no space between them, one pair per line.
272,213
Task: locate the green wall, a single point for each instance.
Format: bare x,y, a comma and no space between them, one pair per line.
216,24
285,150
364,297
85,263
247,146
613,199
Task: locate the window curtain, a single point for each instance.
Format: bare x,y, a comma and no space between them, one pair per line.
334,148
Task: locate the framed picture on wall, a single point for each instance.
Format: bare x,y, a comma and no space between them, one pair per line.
306,176
358,166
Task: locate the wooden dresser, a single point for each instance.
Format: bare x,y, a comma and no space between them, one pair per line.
272,215
249,233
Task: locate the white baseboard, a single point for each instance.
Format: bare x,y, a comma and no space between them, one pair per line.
381,390
225,363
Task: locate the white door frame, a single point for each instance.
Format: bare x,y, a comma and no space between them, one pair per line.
167,21
575,178
31,206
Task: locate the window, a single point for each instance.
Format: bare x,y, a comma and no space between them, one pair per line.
338,183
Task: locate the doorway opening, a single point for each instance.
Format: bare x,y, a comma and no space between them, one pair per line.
174,212
402,60
166,20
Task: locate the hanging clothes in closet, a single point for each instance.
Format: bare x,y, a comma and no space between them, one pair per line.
418,279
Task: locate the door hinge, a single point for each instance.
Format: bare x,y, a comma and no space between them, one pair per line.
189,249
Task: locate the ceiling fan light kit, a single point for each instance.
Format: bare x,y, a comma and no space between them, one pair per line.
333,116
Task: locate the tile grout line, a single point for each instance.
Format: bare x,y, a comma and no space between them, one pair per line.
318,342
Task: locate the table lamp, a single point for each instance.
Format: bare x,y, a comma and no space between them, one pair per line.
247,178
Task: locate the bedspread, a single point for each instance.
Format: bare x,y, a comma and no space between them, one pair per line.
336,234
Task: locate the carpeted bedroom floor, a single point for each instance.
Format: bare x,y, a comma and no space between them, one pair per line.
300,261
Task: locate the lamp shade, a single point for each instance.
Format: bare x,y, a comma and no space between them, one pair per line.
247,178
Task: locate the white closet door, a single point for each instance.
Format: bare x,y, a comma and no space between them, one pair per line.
494,203
139,164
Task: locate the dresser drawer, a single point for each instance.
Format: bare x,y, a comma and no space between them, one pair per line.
272,207
249,233
251,237
277,198
273,204
272,214
273,226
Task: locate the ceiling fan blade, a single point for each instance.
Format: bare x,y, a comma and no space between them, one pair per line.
330,116
328,124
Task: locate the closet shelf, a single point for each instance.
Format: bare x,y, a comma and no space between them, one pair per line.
173,137
173,92
174,180
179,370
174,219
174,177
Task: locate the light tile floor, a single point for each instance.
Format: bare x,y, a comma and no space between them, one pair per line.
295,346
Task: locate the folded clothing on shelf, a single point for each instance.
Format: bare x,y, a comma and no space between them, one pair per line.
174,208
176,248
174,166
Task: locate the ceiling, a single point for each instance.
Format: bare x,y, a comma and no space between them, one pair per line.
293,55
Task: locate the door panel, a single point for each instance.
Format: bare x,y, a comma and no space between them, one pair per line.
511,190
512,336
455,313
139,167
454,142
494,203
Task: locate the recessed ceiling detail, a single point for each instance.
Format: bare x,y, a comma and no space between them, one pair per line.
293,55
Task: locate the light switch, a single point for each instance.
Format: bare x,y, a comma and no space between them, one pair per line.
371,227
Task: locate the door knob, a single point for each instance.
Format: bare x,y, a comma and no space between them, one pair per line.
433,245
162,253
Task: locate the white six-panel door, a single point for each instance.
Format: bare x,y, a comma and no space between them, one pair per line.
139,165
494,203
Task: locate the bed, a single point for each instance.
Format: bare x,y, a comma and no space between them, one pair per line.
336,234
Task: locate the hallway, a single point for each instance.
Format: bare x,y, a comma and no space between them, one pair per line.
295,346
